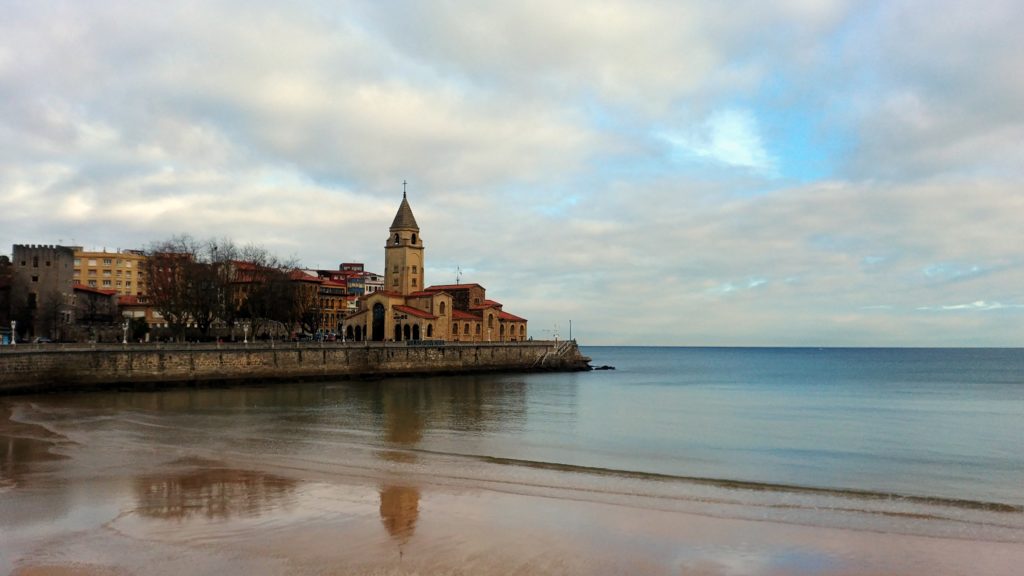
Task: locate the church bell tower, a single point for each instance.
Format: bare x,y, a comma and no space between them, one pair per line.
403,253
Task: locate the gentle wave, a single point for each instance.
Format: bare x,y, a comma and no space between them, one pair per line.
966,504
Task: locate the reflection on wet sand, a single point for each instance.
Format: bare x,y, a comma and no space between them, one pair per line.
211,492
399,510
21,447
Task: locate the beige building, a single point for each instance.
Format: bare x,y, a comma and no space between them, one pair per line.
408,310
122,271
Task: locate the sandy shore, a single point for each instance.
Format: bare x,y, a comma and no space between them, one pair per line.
209,516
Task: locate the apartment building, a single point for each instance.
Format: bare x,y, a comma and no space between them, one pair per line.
122,271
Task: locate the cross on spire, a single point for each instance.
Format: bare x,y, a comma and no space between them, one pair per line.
403,189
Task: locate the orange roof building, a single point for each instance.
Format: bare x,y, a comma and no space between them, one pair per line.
408,309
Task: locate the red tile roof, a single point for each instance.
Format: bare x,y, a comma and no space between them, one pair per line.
84,288
422,294
447,287
415,312
510,317
301,276
462,315
486,304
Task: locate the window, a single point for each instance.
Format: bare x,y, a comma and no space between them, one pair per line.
466,327
35,278
476,301
413,268
414,239
106,272
413,281
128,284
92,283
92,272
78,261
108,261
441,308
128,274
128,264
118,272
92,261
396,239
477,329
394,282
106,282
47,262
455,328
394,269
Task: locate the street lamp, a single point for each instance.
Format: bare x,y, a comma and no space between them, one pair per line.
14,332
245,332
124,339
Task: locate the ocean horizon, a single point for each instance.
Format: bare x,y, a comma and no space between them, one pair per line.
909,443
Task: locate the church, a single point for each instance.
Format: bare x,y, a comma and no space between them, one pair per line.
407,309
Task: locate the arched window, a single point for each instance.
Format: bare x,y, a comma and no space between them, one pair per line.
477,329
455,328
501,331
430,330
405,330
413,268
415,331
414,239
522,331
398,332
396,239
490,321
465,328
441,308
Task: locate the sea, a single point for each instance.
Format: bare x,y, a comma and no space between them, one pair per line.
923,442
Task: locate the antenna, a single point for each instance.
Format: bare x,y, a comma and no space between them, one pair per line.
458,274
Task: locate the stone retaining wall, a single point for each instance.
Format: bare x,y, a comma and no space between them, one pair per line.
34,368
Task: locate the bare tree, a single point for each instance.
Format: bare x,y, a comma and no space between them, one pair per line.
168,270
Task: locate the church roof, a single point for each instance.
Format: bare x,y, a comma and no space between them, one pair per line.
511,317
415,312
404,217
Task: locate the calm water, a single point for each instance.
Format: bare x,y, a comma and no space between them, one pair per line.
916,441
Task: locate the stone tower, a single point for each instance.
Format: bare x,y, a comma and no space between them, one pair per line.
403,253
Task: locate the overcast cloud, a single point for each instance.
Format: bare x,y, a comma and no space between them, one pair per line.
696,173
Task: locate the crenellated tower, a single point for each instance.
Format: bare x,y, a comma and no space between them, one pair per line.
403,253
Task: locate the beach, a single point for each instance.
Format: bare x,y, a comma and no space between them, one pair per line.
442,476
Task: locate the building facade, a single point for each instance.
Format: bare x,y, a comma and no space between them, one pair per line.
122,271
42,289
407,310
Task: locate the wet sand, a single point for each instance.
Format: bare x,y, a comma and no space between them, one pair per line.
197,514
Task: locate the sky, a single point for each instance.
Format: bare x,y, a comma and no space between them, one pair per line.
747,173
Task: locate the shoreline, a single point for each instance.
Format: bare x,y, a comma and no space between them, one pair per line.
198,511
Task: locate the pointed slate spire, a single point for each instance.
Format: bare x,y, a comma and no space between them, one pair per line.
404,218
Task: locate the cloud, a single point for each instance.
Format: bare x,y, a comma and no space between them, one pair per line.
680,173
730,137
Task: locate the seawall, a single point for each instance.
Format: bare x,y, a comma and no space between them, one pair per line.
41,368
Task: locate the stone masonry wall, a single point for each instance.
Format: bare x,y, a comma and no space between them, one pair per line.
48,367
